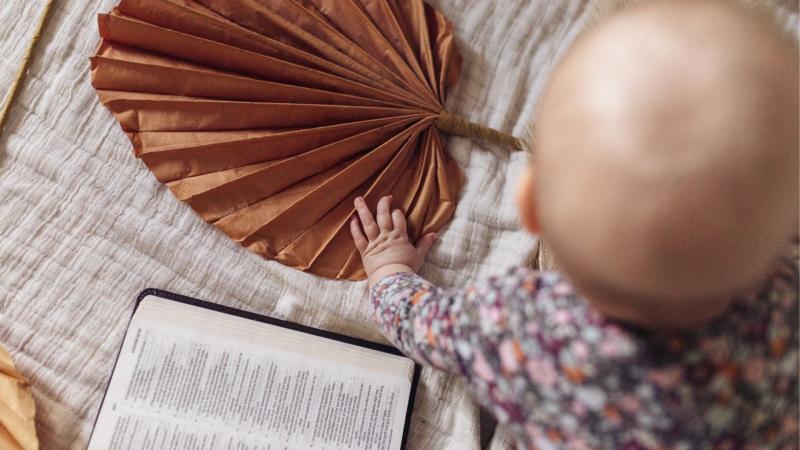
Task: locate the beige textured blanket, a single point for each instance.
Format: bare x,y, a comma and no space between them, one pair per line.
84,226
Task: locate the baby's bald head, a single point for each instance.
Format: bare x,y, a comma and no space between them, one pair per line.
666,158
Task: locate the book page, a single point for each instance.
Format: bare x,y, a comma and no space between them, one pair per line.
189,377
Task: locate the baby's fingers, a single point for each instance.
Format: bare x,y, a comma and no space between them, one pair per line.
370,227
382,216
358,237
399,221
424,245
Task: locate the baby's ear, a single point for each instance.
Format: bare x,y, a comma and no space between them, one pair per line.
526,201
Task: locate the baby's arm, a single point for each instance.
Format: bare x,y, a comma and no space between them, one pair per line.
459,330
423,320
526,343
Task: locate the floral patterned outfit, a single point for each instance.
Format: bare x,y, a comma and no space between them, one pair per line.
559,374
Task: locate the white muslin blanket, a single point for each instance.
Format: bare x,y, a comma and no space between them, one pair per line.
84,226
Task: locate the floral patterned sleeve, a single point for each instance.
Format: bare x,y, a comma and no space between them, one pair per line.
459,330
559,374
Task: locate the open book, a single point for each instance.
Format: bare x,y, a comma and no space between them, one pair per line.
197,375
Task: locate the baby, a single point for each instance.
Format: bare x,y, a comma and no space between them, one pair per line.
665,180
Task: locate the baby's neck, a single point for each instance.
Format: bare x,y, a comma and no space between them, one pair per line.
660,315
670,312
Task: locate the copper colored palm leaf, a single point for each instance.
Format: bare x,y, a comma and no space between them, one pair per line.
269,117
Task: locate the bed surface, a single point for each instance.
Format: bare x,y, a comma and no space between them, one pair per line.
85,226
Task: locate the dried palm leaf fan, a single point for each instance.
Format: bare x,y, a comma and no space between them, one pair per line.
269,117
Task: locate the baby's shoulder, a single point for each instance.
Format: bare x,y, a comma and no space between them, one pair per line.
553,315
536,283
538,295
775,304
526,291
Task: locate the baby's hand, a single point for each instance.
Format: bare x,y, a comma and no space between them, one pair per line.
383,243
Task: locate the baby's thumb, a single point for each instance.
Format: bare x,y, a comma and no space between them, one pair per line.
424,245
